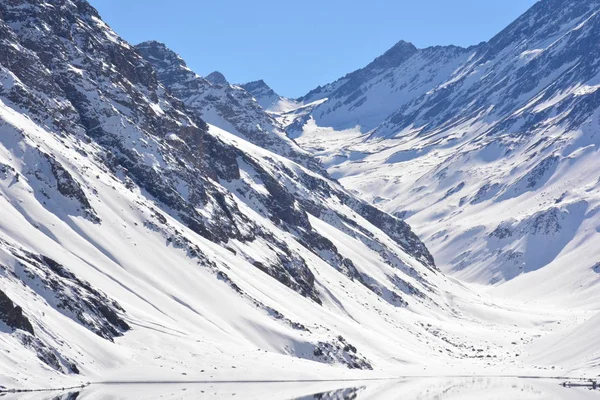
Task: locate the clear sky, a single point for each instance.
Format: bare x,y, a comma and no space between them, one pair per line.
297,45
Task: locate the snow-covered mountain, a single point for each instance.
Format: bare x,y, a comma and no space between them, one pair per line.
139,242
490,152
367,96
157,225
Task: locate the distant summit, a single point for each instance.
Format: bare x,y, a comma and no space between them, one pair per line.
264,95
217,78
159,52
395,56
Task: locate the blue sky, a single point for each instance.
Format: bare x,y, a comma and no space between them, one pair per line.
297,45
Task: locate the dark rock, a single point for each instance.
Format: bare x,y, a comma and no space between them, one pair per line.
74,297
217,78
12,315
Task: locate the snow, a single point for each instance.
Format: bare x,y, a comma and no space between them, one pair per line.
512,220
178,329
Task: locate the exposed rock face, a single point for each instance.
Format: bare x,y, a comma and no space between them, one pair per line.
74,297
12,315
264,95
221,104
62,290
66,185
48,355
338,350
217,79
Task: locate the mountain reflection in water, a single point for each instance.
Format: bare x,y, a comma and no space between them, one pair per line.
480,388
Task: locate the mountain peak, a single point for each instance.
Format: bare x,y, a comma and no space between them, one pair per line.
264,95
395,56
152,43
159,52
217,78
256,84
403,44
258,88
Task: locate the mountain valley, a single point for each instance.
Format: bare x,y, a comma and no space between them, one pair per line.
435,213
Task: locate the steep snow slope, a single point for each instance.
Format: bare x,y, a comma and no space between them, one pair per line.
496,164
138,242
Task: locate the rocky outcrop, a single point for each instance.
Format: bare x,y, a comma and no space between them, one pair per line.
217,79
12,315
264,95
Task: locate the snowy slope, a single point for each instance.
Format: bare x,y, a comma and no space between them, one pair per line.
138,242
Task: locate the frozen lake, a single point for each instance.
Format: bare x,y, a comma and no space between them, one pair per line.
414,388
